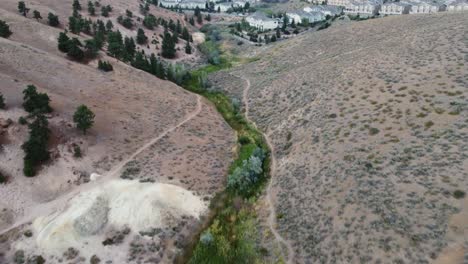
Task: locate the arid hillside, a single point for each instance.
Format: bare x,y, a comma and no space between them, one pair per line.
369,126
150,164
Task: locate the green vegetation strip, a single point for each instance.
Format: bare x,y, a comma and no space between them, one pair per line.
230,236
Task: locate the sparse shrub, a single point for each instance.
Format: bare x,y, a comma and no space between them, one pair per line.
428,124
19,257
206,238
459,194
244,140
77,151
22,120
105,66
2,101
3,178
373,131
94,260
4,29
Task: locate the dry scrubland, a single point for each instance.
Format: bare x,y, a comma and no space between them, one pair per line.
369,123
189,147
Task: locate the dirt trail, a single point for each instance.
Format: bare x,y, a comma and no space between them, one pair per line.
61,202
272,216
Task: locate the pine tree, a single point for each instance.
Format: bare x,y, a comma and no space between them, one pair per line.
4,29
63,42
188,48
37,15
74,24
179,27
83,118
129,49
185,34
168,46
109,25
140,62
141,37
91,9
76,5
278,33
74,49
191,21
53,20
22,8
35,148
115,44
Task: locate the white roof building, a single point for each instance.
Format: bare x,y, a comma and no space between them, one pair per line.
261,21
425,8
338,2
327,10
368,8
298,16
185,4
395,8
457,6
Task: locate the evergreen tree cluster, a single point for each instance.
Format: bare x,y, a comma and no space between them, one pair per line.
35,147
35,102
76,50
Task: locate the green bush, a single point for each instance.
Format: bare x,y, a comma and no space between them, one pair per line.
244,177
244,140
459,194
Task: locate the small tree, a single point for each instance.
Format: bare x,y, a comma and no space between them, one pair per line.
141,37
4,29
83,118
2,101
53,20
37,15
22,8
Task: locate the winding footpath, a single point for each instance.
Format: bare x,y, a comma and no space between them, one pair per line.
61,202
272,216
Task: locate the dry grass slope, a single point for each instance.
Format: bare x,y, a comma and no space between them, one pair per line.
369,122
132,108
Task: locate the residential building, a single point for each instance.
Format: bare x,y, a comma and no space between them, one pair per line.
395,8
338,2
327,10
368,8
426,8
457,6
298,16
185,4
261,21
